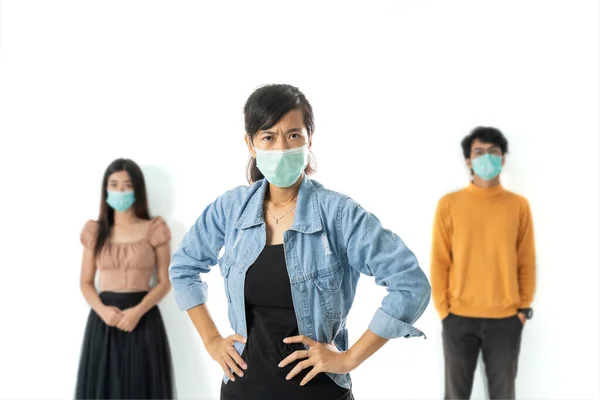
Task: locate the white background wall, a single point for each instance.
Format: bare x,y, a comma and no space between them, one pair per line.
395,86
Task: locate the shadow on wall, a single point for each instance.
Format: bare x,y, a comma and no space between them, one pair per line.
186,345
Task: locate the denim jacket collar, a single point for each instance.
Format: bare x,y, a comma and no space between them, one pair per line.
306,219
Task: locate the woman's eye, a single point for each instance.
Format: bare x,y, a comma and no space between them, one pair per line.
267,138
294,136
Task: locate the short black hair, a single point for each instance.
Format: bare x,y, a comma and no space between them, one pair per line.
485,134
265,107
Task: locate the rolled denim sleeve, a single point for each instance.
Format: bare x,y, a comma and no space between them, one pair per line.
198,252
376,251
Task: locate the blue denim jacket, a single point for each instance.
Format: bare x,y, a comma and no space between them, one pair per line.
332,241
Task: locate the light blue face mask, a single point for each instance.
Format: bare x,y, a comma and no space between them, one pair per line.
282,168
120,201
487,167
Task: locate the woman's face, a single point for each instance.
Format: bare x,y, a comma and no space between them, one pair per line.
119,182
289,132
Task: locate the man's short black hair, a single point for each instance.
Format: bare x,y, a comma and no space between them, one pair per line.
485,134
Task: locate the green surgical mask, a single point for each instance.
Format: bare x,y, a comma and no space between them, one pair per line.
120,201
487,167
282,168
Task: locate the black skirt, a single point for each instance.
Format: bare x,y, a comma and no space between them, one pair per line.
125,365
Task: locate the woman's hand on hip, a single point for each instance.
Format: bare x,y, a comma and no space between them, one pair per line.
321,357
222,351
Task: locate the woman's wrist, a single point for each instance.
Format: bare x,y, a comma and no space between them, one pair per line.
351,361
211,339
140,309
364,348
100,309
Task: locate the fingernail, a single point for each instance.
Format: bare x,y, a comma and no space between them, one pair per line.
244,366
285,340
279,365
241,374
287,378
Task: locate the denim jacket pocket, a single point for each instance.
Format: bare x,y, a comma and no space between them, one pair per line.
328,285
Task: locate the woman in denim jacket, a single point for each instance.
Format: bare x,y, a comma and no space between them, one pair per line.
293,254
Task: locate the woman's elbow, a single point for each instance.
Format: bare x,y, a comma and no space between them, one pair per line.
165,285
421,295
425,289
85,285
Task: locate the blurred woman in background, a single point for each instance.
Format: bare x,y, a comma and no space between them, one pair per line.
125,351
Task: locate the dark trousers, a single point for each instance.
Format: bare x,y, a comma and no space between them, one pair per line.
499,341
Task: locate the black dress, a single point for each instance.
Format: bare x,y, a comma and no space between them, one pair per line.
270,318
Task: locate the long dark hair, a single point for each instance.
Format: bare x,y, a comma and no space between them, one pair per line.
265,107
106,218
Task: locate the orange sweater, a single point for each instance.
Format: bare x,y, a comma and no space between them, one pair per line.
483,255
